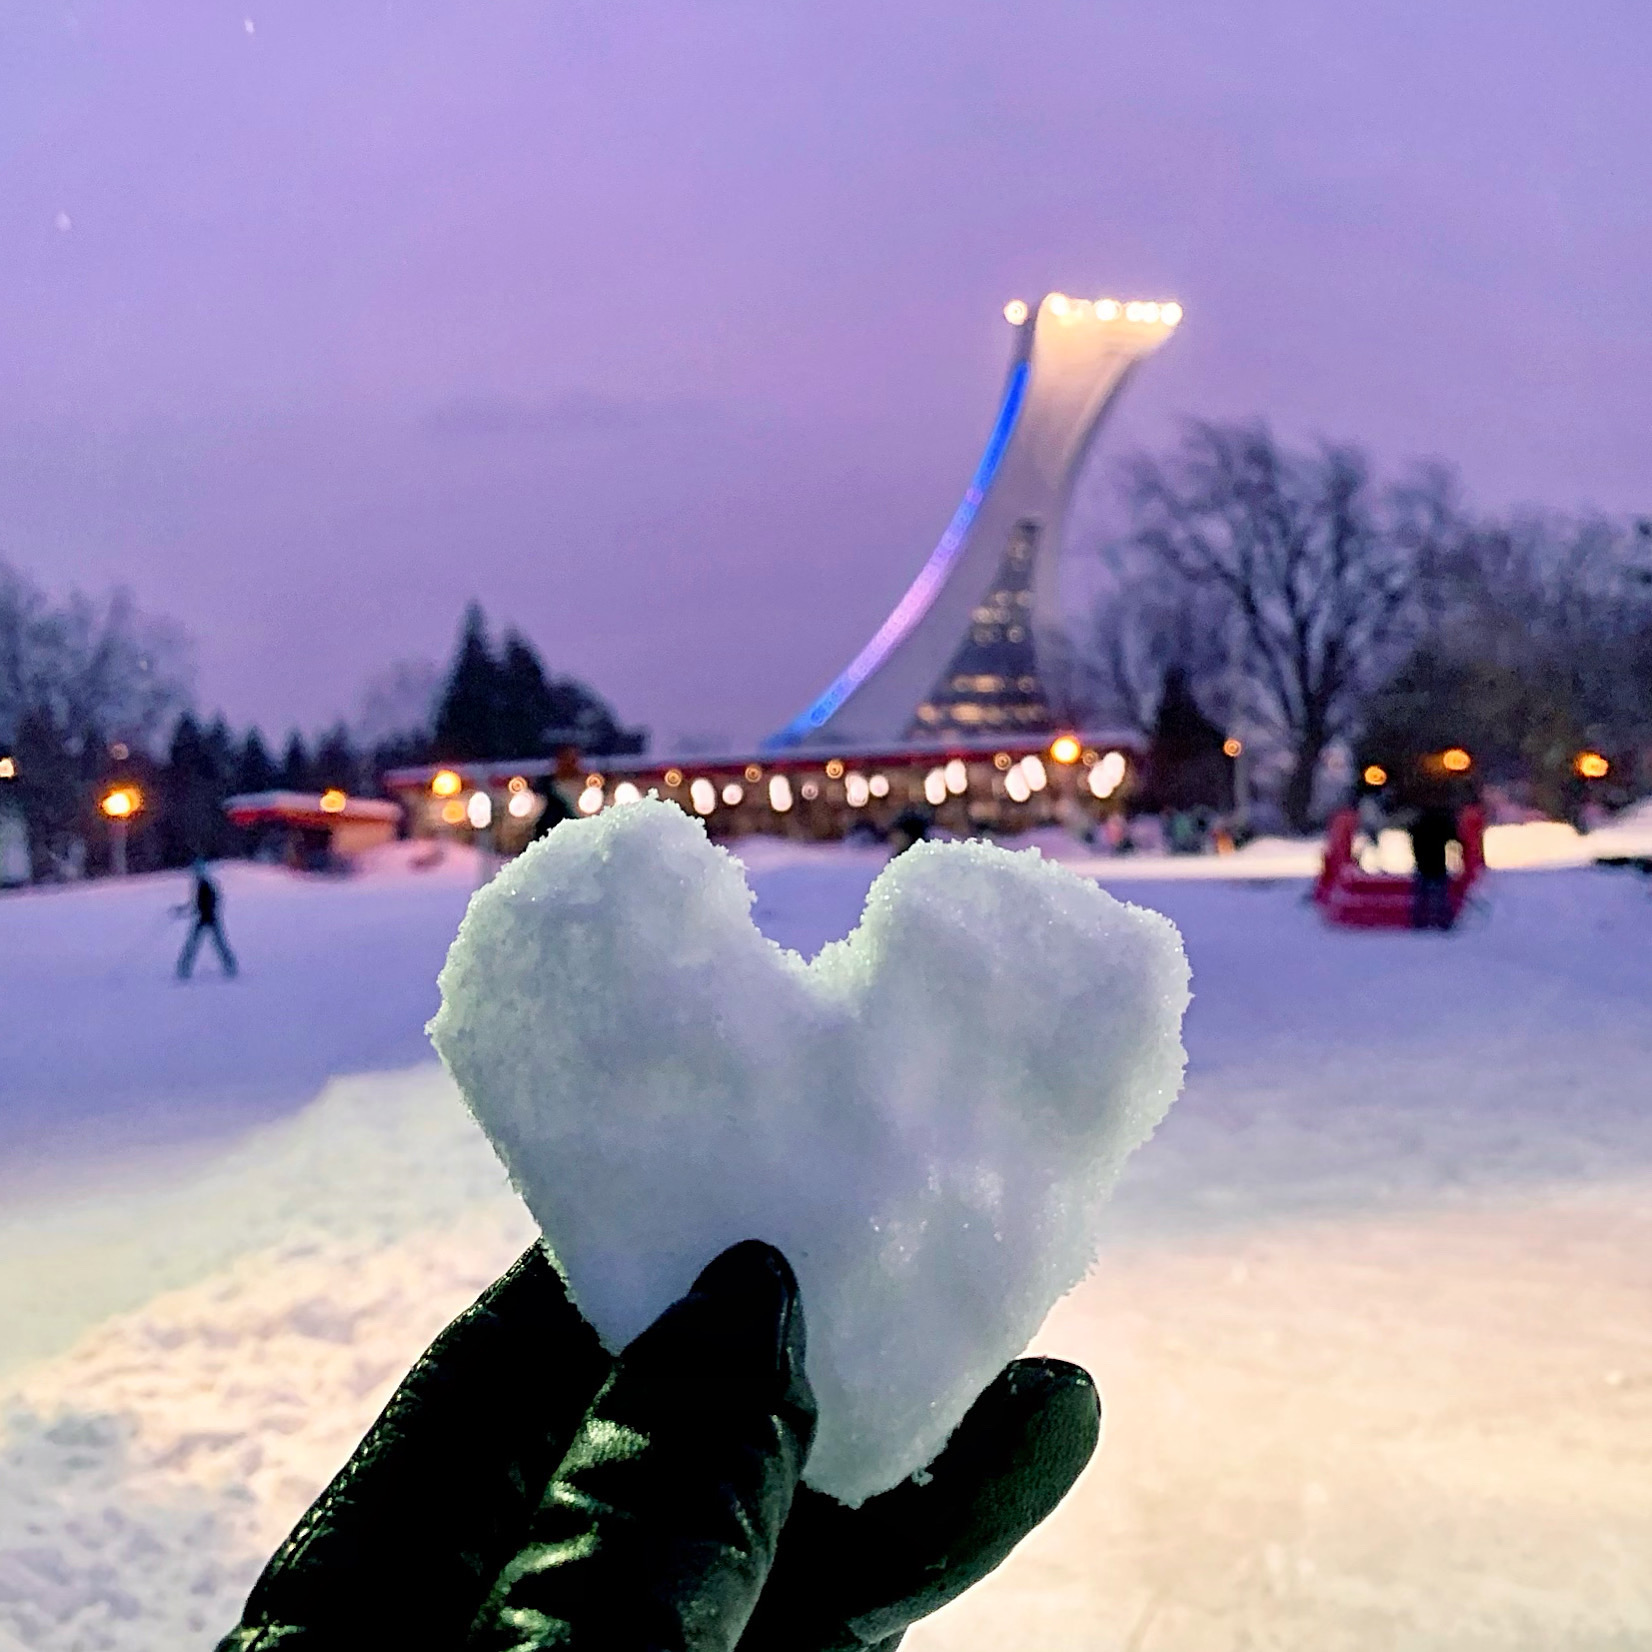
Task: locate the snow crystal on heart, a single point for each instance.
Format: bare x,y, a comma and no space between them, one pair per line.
926,1118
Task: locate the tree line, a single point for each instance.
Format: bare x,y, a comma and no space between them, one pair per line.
1338,621
95,695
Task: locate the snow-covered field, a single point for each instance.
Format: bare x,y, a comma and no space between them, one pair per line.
1374,1324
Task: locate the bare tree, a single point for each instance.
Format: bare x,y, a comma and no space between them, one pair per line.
76,677
1145,625
1311,568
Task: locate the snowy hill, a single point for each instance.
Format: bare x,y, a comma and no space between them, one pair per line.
1373,1327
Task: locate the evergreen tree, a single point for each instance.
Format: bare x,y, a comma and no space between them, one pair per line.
193,788
1187,768
254,770
336,763
295,765
526,709
467,720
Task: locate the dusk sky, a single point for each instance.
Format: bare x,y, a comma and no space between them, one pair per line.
671,331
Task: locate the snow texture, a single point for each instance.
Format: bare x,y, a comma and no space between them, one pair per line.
927,1118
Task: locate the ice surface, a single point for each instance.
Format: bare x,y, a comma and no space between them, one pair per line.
926,1118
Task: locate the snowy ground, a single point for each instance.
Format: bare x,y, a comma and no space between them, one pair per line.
1375,1325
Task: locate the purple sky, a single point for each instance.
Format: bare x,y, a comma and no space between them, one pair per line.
672,331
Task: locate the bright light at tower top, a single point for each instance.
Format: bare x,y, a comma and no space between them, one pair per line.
1142,311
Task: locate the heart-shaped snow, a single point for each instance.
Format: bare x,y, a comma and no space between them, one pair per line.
926,1118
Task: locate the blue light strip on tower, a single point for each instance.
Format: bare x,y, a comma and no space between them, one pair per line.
921,594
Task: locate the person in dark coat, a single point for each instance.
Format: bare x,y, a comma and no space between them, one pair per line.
1433,831
205,905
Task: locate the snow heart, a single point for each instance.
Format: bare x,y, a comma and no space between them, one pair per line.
926,1118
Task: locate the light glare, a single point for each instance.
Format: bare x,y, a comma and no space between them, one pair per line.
478,810
1108,775
703,795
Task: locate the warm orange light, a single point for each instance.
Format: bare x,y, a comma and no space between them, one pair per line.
753,773
1590,765
1231,747
122,803
1375,775
333,801
834,769
8,768
1456,760
673,777
1064,749
445,783
453,812
1001,761
517,783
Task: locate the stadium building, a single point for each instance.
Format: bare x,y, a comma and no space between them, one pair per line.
949,709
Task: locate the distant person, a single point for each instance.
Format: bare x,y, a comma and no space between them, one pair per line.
1433,831
204,904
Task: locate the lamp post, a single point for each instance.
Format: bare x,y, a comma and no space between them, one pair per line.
118,808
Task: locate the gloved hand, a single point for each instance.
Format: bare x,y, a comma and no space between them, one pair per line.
522,1490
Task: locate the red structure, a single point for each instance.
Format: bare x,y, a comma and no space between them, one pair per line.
1382,900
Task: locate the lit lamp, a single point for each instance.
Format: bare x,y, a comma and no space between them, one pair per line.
1065,750
1455,760
1590,765
445,783
333,801
118,807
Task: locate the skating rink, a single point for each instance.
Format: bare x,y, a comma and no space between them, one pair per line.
1374,1322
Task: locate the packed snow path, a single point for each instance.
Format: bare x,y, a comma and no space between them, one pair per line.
1375,1329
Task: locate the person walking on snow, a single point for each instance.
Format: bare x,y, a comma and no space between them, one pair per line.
207,922
1433,830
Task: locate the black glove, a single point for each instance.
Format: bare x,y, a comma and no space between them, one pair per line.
521,1490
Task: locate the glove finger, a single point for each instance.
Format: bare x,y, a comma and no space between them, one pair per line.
660,1525
401,1548
848,1579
